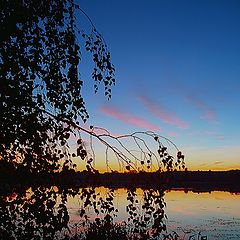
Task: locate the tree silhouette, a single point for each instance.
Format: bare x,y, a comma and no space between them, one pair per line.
41,102
40,84
41,111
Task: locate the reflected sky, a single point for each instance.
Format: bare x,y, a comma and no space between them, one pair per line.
215,214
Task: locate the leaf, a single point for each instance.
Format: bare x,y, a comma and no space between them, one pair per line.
128,167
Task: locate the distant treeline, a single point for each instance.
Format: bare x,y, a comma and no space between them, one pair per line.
199,181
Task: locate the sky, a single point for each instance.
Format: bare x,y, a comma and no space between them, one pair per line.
177,71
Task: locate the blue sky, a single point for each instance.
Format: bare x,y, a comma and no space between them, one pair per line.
178,73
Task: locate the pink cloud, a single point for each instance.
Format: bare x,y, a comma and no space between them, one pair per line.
215,134
162,113
208,113
172,134
129,118
220,137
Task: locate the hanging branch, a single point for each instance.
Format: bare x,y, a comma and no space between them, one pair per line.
117,146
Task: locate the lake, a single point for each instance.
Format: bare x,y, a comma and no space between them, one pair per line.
214,214
50,212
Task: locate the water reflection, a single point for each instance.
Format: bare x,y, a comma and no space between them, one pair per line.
35,213
50,212
98,211
42,212
214,214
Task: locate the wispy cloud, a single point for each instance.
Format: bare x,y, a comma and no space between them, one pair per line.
208,113
172,134
162,113
212,134
129,118
218,162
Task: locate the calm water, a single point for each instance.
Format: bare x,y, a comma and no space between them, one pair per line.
216,214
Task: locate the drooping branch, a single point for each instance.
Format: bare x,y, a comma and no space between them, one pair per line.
147,146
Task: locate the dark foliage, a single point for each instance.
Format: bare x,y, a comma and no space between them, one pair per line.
40,84
38,213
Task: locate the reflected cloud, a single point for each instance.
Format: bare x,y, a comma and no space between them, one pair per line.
129,118
162,113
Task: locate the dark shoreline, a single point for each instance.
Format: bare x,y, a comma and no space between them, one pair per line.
196,181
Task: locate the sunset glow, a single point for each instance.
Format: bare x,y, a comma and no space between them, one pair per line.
177,71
